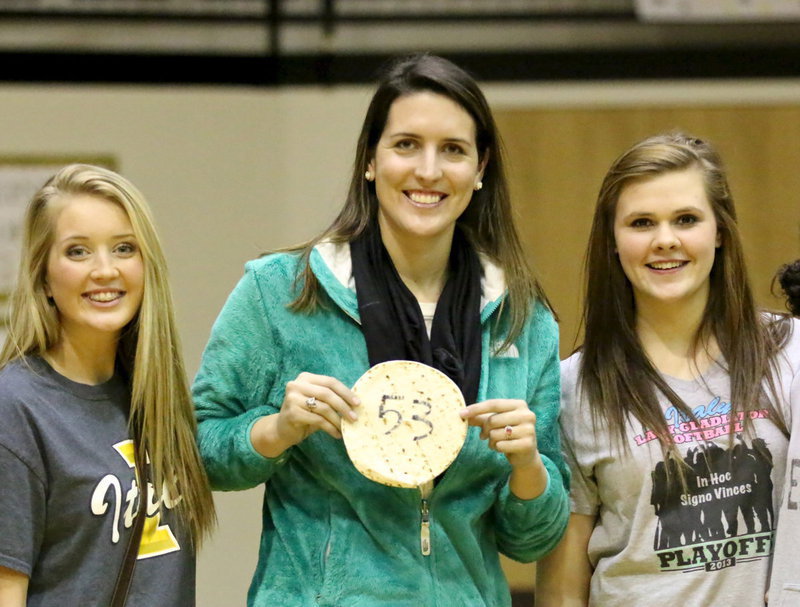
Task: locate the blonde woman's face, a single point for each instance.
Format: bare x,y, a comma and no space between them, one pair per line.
95,273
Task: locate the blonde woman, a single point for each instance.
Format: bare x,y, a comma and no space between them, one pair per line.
91,379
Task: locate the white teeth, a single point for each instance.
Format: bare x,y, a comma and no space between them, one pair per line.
665,265
421,198
104,296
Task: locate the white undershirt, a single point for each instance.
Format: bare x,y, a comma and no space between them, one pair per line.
428,310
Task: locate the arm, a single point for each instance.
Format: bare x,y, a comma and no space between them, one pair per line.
532,508
545,400
232,388
23,506
13,588
245,431
563,576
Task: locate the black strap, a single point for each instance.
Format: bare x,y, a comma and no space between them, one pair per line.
125,576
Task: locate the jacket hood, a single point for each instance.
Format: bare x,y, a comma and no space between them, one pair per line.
333,267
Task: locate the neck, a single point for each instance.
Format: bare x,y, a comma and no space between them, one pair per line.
421,263
90,365
668,335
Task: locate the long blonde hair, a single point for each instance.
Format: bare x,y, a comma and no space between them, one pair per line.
161,412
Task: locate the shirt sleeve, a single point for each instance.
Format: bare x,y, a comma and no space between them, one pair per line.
22,512
232,387
579,442
529,529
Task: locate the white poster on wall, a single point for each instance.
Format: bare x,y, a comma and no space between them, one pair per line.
717,10
18,182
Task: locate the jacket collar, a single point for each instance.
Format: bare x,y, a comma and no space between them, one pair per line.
333,267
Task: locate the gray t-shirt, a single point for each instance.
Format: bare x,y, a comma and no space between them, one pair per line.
657,542
69,495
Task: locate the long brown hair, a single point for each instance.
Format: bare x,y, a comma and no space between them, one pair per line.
487,221
161,412
616,376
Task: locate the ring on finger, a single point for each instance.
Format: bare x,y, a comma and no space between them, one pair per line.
508,430
311,403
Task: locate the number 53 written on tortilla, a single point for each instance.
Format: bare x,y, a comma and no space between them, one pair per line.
408,429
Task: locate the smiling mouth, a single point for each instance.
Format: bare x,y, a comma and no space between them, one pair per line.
425,197
104,296
666,265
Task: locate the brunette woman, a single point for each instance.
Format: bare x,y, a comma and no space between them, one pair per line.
422,263
674,408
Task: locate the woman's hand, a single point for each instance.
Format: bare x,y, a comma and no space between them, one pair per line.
315,402
510,427
311,402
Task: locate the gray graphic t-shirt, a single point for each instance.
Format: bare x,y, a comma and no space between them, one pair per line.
69,495
659,541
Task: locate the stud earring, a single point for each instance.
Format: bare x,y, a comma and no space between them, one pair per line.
478,186
368,175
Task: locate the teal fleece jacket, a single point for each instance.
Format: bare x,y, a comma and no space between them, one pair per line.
330,536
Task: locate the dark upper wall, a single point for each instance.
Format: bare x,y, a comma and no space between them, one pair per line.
271,42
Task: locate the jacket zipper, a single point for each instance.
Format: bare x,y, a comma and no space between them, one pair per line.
490,308
425,528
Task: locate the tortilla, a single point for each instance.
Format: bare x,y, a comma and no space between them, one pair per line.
408,429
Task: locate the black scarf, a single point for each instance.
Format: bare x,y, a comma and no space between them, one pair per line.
392,321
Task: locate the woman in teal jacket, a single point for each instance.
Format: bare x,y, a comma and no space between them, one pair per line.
423,263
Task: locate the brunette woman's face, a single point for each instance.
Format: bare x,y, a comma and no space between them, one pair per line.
426,167
666,236
95,273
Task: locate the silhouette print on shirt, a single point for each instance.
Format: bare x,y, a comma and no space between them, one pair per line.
721,513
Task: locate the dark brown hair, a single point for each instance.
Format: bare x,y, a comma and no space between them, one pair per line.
788,276
487,221
616,376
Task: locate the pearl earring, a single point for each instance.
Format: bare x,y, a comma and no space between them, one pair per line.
368,175
478,186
